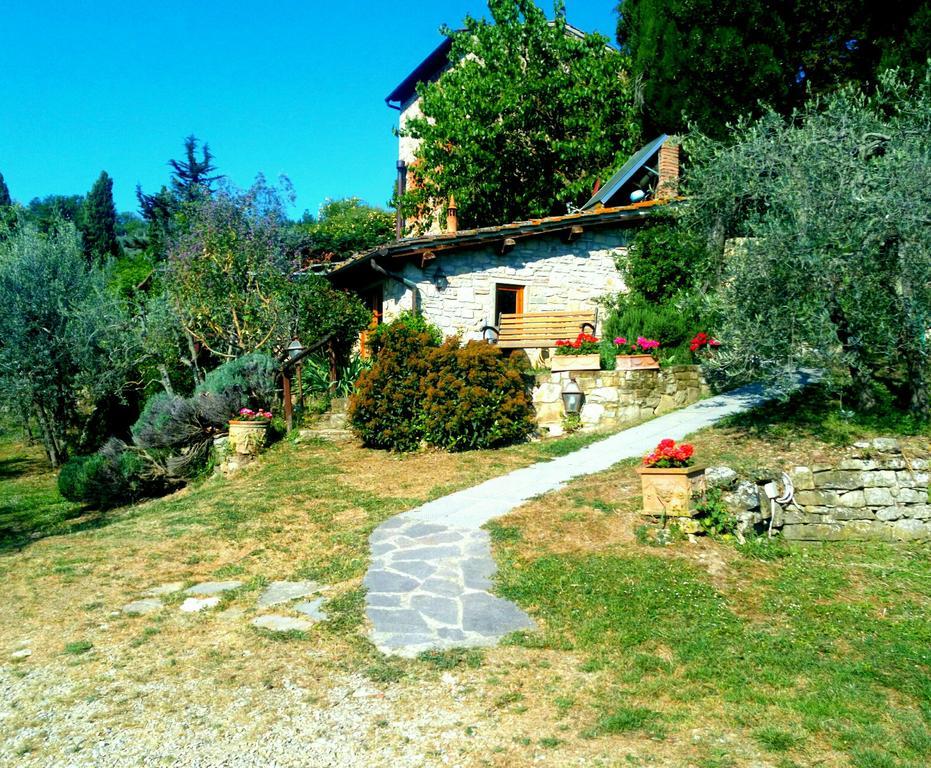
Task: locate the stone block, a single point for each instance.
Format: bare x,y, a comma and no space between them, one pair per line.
857,464
866,530
603,395
852,499
912,479
887,514
840,480
745,497
819,498
884,478
911,496
910,530
878,497
802,478
720,477
918,511
851,513
592,413
816,532
665,404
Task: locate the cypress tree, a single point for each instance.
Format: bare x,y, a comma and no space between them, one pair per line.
5,198
99,226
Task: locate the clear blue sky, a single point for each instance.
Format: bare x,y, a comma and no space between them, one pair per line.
288,87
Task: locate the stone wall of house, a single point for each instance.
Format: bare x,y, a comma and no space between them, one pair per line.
614,398
877,492
556,276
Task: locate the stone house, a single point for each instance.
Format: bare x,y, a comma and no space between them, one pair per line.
463,280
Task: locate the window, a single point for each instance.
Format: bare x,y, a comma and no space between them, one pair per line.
509,300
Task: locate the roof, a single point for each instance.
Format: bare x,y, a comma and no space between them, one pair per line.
427,70
428,247
625,173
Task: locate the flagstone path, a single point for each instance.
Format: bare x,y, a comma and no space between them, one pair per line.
429,580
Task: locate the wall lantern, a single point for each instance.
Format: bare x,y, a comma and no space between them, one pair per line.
572,397
489,333
440,280
294,349
637,195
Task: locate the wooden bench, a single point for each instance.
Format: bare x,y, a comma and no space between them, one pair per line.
534,330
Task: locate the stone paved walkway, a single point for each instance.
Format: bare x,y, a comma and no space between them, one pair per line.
427,586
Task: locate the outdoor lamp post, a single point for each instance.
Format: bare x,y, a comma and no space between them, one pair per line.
295,348
572,397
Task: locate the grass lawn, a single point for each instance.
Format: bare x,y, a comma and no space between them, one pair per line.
693,654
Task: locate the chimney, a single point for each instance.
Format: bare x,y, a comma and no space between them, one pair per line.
668,185
452,216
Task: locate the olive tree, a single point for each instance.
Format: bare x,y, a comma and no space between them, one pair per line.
821,229
67,347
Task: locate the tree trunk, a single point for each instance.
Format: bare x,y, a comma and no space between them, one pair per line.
919,398
49,439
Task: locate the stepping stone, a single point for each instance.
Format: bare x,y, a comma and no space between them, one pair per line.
385,581
282,591
382,600
275,623
417,569
397,620
165,589
442,610
212,587
197,604
312,609
22,653
140,607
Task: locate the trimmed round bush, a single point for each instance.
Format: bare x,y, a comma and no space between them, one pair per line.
113,476
250,380
474,398
386,410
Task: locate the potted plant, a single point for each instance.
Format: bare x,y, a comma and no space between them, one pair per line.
638,355
247,431
669,479
582,354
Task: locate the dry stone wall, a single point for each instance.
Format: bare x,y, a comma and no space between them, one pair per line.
614,398
877,492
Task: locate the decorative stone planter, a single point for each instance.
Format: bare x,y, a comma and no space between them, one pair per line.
636,363
247,437
668,491
575,363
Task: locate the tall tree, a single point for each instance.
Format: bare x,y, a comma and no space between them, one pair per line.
5,198
46,212
192,178
525,122
342,228
99,225
707,62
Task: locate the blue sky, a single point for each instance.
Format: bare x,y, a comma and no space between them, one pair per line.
293,88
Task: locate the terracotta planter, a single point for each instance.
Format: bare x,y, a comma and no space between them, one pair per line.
575,363
247,437
669,491
636,363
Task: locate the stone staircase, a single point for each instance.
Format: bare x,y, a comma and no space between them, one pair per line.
331,425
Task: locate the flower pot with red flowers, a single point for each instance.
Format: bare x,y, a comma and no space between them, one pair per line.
580,354
248,430
639,355
669,479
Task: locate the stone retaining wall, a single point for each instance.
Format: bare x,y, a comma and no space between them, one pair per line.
877,492
614,398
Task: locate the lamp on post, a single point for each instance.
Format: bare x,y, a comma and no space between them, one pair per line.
295,348
572,397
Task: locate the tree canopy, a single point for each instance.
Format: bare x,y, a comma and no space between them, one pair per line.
829,262
5,198
343,228
708,62
526,121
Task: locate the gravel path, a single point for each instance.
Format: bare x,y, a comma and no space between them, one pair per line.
432,566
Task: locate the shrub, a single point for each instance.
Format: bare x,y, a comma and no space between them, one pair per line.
115,475
664,259
474,398
413,321
673,324
252,377
386,410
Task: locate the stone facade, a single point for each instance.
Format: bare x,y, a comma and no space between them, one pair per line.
876,493
614,398
456,291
